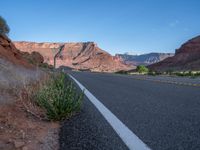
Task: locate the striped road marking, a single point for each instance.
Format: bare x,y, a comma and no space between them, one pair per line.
128,137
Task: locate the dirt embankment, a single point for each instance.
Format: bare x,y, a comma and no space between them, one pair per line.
19,129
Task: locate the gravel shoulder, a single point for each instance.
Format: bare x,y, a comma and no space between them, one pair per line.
89,130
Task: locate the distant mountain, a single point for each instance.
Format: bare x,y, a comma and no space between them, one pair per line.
81,56
187,57
144,59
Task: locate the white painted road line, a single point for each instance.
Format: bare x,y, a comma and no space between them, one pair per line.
128,137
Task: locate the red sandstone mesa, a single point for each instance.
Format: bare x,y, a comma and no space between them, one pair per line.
83,56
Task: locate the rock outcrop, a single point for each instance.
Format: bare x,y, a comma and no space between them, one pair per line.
187,57
80,56
9,52
144,59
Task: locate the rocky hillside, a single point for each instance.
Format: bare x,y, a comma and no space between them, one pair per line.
187,57
82,56
144,59
18,73
10,53
15,68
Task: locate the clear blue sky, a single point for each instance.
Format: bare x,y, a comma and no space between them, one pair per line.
118,26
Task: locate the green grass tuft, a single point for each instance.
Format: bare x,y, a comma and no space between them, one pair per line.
59,98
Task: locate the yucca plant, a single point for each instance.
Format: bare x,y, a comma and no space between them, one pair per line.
59,98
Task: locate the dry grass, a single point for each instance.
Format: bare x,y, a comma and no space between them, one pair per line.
17,83
20,83
47,96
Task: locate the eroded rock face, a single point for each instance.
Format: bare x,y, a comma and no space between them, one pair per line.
9,52
187,57
82,56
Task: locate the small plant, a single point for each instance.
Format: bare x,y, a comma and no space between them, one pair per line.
192,74
169,72
59,98
142,69
152,73
45,65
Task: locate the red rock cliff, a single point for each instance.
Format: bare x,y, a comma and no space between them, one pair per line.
75,55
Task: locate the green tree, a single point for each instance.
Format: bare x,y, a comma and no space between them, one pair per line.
4,28
142,69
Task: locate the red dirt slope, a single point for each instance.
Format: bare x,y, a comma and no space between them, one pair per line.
8,51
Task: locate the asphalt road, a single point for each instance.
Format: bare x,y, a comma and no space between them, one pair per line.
165,116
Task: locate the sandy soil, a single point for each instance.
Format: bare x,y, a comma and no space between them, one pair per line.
19,130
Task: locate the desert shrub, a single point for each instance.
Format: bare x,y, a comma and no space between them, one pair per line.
197,74
121,72
142,69
181,74
152,73
59,98
4,28
184,73
191,74
45,65
169,72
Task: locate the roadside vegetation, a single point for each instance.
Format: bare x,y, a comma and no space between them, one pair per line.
191,74
27,84
143,70
59,98
44,92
